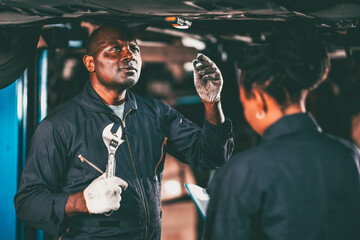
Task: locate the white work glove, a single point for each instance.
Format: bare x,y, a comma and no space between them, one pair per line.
104,194
207,79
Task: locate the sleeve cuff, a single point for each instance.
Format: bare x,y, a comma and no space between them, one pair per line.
59,206
223,130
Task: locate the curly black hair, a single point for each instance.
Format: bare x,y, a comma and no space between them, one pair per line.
295,59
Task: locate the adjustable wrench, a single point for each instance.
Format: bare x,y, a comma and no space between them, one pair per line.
112,140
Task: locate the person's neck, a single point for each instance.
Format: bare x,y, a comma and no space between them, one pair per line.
109,96
293,109
276,112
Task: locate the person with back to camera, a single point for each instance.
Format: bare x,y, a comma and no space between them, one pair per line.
298,183
107,128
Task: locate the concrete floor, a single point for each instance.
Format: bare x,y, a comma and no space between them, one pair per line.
179,219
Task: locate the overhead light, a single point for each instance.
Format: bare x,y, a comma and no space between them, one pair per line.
179,23
75,43
246,39
180,26
338,53
170,19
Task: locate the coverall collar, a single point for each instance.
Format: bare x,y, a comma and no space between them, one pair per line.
92,101
299,122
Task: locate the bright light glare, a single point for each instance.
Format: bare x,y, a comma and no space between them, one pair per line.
192,42
43,86
178,26
339,53
75,43
172,188
188,66
19,94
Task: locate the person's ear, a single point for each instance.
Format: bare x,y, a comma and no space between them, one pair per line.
89,63
260,103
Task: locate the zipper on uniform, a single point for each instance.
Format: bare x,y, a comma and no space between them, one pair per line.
66,232
123,121
141,190
137,178
162,154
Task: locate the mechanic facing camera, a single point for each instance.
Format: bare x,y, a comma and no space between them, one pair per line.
95,164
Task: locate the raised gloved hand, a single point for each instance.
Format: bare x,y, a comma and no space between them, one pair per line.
104,194
207,79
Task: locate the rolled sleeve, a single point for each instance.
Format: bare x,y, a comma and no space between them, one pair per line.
222,132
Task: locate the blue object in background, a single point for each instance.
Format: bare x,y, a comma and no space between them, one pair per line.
13,138
9,155
43,79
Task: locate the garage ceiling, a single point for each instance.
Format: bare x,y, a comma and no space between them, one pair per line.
21,12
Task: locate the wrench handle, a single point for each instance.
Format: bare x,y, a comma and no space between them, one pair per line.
111,166
110,172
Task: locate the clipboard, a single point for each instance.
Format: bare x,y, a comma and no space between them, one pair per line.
200,197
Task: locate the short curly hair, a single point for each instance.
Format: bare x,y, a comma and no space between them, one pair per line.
295,59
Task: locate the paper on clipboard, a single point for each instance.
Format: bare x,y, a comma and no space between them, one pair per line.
200,197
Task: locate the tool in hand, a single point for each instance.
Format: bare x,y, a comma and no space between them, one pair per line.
112,138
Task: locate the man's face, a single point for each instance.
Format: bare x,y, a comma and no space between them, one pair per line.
117,59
